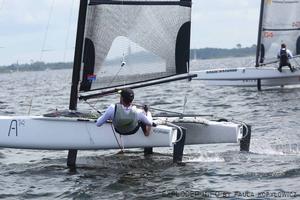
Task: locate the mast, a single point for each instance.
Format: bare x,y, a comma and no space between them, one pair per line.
72,154
78,54
260,29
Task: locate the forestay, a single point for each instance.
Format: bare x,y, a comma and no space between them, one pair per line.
135,41
280,24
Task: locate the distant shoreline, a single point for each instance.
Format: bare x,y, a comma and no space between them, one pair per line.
203,53
36,66
214,53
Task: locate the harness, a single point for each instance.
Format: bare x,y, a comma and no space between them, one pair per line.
125,123
284,58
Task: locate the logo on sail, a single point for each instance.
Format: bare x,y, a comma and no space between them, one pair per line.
13,128
91,77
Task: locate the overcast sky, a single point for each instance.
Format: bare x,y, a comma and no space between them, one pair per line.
23,25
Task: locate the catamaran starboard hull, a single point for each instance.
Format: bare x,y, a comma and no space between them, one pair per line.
57,133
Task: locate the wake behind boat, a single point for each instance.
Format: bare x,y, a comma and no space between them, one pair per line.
274,30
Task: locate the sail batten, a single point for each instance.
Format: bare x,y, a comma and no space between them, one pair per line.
129,42
108,91
181,3
281,29
141,82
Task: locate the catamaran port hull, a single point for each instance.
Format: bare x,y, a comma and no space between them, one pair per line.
202,131
60,133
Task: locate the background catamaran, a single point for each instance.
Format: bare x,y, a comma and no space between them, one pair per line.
279,23
155,48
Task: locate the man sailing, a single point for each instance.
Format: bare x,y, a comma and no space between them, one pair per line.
126,118
284,55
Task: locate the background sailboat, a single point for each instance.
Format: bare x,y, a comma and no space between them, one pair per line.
158,52
279,23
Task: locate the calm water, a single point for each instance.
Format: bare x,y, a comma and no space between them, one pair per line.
272,168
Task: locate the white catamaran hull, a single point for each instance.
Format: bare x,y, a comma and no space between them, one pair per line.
253,83
60,133
203,131
69,133
248,77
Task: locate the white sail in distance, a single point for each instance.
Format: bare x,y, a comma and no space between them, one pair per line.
280,24
135,41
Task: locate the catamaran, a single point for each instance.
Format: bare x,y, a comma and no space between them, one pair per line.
157,38
279,23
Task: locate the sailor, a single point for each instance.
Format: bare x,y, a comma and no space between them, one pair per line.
284,55
126,118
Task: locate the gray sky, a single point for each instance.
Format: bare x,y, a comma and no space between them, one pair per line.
224,23
23,25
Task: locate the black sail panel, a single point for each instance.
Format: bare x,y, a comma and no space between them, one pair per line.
183,49
88,65
298,46
262,53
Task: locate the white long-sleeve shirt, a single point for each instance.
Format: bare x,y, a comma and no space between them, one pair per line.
110,111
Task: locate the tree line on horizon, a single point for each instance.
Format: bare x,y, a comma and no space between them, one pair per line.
212,53
203,53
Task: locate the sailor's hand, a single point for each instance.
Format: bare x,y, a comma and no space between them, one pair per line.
146,108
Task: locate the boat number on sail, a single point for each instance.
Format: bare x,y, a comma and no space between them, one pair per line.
296,24
13,127
268,34
221,71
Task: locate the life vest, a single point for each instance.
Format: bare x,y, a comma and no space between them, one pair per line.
284,57
125,123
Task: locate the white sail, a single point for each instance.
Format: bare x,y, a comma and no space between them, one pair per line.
280,24
135,41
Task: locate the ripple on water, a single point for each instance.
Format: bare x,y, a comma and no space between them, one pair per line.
273,160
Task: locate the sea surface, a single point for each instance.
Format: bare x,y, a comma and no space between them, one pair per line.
271,170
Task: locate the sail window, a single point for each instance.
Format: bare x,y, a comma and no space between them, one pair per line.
135,41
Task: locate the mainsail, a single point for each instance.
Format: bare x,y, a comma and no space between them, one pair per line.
130,42
279,23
